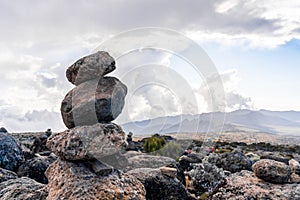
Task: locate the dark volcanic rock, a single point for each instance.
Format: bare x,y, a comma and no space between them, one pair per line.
186,160
272,171
160,186
75,180
22,188
10,152
205,178
6,175
87,142
234,161
93,101
36,167
245,185
275,156
90,67
39,143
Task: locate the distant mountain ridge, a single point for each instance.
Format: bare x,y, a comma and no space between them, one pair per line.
273,122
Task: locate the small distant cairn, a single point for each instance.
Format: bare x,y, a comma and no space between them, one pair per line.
39,143
3,130
89,149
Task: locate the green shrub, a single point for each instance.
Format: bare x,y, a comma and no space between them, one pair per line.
153,144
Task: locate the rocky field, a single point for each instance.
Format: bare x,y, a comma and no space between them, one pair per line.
226,170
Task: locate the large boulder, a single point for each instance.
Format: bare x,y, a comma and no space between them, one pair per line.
74,180
35,168
6,175
10,152
90,67
205,179
160,184
93,101
272,171
22,188
245,185
87,142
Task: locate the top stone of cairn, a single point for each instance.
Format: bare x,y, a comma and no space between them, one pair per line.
90,67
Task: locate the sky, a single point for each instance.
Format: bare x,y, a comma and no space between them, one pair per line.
254,45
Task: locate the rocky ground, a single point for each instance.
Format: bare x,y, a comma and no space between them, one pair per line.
232,170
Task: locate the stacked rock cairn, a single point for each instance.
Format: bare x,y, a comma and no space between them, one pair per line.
89,149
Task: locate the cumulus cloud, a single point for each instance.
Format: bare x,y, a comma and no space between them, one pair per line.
40,39
233,98
14,121
154,88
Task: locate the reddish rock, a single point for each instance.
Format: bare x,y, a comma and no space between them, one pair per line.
90,67
69,180
245,185
87,142
295,166
93,101
272,171
22,188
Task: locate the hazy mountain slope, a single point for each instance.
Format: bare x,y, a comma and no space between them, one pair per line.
256,121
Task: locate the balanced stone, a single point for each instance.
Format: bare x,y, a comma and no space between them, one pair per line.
87,142
93,101
90,67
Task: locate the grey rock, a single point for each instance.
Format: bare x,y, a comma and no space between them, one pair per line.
90,67
87,142
148,161
272,171
22,188
205,178
6,175
234,161
93,101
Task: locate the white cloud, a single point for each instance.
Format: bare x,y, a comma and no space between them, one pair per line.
234,99
14,121
87,22
40,39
